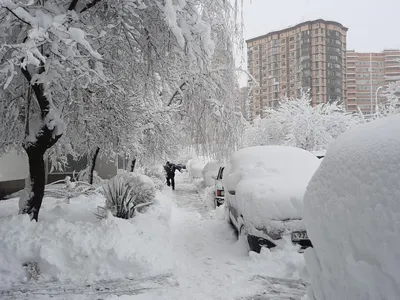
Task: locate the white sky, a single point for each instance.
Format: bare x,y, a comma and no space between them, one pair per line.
373,24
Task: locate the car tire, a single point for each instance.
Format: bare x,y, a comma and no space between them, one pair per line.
215,203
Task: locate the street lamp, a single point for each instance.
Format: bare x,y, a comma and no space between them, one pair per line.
376,99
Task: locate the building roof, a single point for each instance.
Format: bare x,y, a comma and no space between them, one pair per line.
296,26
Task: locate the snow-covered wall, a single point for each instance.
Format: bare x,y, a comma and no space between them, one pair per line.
13,166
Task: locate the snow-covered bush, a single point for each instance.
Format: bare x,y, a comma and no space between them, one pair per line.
351,210
209,170
127,193
157,175
392,104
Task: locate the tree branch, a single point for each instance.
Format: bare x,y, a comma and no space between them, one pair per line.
73,4
89,5
17,16
176,93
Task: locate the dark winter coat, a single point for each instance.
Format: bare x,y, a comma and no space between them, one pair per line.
170,170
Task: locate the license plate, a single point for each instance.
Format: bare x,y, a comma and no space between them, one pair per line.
299,236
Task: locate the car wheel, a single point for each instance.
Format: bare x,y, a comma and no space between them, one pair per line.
215,203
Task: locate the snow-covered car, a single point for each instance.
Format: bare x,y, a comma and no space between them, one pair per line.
352,213
264,188
219,192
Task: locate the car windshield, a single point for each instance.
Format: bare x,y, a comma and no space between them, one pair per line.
220,174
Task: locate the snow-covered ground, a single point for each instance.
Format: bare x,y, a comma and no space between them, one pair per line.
180,249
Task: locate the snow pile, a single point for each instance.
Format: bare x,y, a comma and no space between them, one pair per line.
195,167
286,262
352,214
269,181
209,170
71,244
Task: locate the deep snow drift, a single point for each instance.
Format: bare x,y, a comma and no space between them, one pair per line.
71,244
352,215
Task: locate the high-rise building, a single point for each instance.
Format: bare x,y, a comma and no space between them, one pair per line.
367,74
310,55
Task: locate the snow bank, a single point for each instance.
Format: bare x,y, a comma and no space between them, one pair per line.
272,181
210,169
352,214
70,244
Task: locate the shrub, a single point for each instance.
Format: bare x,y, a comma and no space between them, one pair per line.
157,175
127,193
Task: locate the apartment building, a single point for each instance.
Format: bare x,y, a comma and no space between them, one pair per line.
367,75
310,55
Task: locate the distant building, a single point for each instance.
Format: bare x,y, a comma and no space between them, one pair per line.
366,74
309,55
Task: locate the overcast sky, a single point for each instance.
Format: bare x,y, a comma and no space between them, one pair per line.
373,24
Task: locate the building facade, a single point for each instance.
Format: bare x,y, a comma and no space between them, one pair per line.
367,74
310,55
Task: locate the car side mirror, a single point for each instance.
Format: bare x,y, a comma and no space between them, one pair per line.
214,177
232,192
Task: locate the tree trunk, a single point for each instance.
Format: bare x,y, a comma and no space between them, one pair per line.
46,170
93,165
45,139
37,182
133,164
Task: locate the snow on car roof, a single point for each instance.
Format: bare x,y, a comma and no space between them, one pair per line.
270,181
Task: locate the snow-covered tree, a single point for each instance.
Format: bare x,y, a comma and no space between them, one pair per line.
106,71
297,123
211,115
392,104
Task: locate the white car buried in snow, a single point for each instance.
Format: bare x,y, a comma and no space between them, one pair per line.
264,188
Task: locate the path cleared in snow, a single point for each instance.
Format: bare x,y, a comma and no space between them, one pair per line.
213,263
209,263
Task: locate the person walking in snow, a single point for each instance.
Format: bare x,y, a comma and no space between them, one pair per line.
170,174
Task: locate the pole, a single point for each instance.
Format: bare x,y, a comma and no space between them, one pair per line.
370,79
376,98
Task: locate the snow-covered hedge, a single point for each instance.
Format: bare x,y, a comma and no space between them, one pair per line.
128,192
210,169
157,175
352,215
